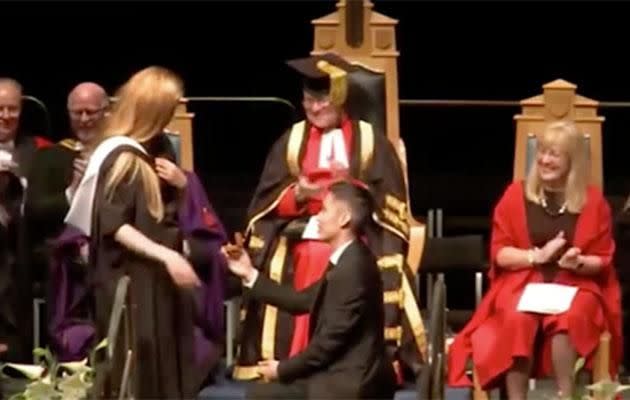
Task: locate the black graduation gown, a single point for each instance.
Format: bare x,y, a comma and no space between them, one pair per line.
15,291
161,312
46,204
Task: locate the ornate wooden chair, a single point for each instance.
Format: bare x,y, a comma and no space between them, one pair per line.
559,101
368,40
180,132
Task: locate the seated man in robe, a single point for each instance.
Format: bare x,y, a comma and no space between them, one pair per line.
281,233
71,327
56,172
16,153
17,145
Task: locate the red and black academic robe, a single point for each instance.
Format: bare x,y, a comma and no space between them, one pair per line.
489,330
273,237
16,283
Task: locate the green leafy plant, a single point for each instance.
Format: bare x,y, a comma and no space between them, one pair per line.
52,380
605,389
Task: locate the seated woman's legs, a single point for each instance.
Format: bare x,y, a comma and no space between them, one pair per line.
574,333
563,357
522,334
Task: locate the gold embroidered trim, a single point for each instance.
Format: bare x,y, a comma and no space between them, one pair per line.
391,261
402,234
71,144
395,204
293,153
393,297
338,82
293,147
417,237
270,318
367,145
415,320
256,242
368,67
396,221
245,373
265,211
394,333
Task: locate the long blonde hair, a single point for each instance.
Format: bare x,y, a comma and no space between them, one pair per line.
145,105
565,135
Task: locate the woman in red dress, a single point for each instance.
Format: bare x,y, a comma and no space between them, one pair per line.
553,228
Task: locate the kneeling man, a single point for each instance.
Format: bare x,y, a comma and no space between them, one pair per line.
346,356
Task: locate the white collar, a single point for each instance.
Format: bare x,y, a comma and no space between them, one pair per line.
9,145
80,213
334,257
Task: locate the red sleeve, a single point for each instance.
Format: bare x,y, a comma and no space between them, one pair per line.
41,142
502,231
287,207
602,244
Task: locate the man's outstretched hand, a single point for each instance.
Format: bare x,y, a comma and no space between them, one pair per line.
238,260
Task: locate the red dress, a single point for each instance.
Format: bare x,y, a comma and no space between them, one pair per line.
310,256
497,332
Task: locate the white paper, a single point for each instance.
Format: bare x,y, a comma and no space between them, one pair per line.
333,148
546,298
311,232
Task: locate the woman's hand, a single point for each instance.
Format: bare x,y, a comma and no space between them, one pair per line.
570,259
171,173
306,190
180,270
550,249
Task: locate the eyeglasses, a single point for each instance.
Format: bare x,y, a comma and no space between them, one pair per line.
78,113
10,111
310,101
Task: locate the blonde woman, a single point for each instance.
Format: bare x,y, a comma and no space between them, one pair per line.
552,228
131,221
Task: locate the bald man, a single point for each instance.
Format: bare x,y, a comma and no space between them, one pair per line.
17,151
16,148
56,172
87,103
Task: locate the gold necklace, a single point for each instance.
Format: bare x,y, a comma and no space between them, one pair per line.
543,202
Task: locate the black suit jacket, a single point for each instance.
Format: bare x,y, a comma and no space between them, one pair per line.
346,355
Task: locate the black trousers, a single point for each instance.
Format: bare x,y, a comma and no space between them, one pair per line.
277,390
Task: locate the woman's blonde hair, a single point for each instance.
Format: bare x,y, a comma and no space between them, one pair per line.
565,135
144,106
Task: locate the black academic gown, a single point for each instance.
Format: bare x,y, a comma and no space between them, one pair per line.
46,204
161,312
16,281
374,162
15,305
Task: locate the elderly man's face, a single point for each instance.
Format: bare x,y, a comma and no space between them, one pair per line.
86,110
10,110
320,111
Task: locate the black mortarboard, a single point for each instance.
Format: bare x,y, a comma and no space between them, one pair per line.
324,74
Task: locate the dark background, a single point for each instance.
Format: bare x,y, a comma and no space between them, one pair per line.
460,158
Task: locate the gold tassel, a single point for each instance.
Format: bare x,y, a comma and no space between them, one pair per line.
338,82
